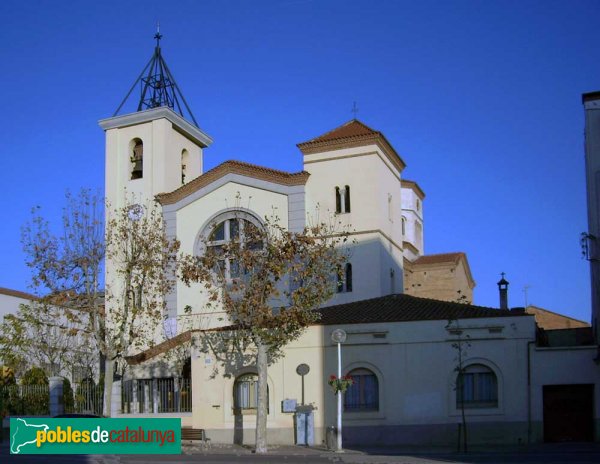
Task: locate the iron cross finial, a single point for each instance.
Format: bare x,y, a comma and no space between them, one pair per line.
158,35
502,274
354,109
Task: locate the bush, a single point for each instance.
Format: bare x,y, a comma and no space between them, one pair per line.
35,376
7,376
68,401
35,399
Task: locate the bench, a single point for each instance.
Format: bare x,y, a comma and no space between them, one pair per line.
189,433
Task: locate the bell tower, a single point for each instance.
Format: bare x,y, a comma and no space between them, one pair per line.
156,148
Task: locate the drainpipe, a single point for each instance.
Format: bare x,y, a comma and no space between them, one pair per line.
529,430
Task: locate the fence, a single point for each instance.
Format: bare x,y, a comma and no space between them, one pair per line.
31,400
87,399
170,395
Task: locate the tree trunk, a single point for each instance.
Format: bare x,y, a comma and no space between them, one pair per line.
262,407
108,383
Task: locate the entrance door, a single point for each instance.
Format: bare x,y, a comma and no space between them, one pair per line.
568,413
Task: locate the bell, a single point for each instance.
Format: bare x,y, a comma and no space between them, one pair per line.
138,170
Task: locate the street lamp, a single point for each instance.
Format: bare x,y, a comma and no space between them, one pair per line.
339,336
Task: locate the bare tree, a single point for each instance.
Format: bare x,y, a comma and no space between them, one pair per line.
141,271
268,281
460,344
67,270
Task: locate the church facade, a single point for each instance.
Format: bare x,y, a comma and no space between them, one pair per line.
402,344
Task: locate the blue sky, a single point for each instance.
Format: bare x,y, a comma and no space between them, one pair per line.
482,99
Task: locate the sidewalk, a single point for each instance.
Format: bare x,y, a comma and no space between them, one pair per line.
559,452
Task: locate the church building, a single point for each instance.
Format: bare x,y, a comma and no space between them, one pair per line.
395,302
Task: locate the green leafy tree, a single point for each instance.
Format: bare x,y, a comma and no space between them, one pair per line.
269,281
44,335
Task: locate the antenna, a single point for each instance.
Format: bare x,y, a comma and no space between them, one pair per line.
526,288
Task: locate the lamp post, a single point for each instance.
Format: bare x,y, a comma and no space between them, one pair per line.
339,336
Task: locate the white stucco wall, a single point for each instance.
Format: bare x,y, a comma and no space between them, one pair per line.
374,220
414,363
9,304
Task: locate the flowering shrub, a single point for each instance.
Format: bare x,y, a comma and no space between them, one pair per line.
341,384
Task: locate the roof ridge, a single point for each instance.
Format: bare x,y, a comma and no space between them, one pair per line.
555,313
252,170
256,166
346,124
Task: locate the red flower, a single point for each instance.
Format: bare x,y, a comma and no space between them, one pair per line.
332,377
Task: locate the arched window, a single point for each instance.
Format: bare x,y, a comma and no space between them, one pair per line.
137,159
418,235
245,393
344,283
230,227
403,226
184,162
477,387
347,199
342,200
363,395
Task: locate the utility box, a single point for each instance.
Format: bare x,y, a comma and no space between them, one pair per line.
304,421
288,405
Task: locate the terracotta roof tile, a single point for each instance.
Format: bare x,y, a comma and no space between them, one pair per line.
352,128
159,349
405,308
351,134
233,167
390,308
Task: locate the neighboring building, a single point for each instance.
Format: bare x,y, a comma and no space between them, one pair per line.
591,239
445,276
82,363
10,300
549,320
400,348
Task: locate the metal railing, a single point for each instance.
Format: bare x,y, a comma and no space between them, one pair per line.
88,398
168,395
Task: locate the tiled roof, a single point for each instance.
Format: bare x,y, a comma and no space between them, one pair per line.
352,128
390,308
550,320
405,308
440,258
233,167
17,294
160,348
351,134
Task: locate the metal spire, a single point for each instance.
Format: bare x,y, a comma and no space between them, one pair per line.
158,86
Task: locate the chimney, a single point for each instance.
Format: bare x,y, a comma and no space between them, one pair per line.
503,288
